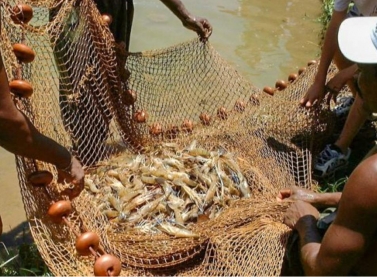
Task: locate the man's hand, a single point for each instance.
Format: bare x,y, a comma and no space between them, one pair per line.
74,175
338,82
200,25
296,193
314,95
298,210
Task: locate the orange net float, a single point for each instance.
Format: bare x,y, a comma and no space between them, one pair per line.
269,90
40,178
140,116
292,77
281,84
205,119
21,88
301,70
107,265
222,113
187,126
254,100
107,19
59,210
87,243
156,129
23,53
240,106
21,14
311,62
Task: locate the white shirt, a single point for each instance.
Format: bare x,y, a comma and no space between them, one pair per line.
365,7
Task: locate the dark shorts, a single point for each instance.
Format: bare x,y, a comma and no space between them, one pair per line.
122,14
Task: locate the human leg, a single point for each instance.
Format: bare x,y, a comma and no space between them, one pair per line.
355,119
335,156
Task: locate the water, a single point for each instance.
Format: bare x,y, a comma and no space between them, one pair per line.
265,40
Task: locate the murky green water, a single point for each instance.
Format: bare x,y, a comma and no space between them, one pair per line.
265,40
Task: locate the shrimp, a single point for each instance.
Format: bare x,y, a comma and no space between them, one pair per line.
137,201
146,209
173,163
229,184
191,146
110,213
114,202
89,184
114,183
200,152
113,173
176,231
127,194
150,180
190,214
191,193
210,195
177,212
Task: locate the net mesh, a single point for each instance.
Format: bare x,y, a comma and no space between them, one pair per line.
184,107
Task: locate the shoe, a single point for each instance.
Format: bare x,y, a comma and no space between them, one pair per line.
343,106
330,160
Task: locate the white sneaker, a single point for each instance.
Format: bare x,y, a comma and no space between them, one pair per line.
329,161
343,106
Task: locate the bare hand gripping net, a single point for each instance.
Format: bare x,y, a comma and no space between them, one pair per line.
184,156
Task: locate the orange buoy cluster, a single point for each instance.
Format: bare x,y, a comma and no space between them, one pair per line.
282,84
172,131
87,243
22,14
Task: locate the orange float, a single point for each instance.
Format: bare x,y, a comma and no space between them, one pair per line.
292,77
254,100
21,88
107,265
269,90
311,62
156,129
59,209
205,119
21,14
86,241
187,126
301,70
23,52
40,178
281,84
108,19
140,116
222,113
240,106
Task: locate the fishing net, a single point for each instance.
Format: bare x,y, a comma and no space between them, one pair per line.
183,156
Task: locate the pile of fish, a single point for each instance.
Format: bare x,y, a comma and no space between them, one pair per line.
167,189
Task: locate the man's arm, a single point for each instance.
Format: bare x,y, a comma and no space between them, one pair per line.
317,91
352,232
318,200
19,136
197,24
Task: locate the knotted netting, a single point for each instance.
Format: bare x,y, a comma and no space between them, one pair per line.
183,156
